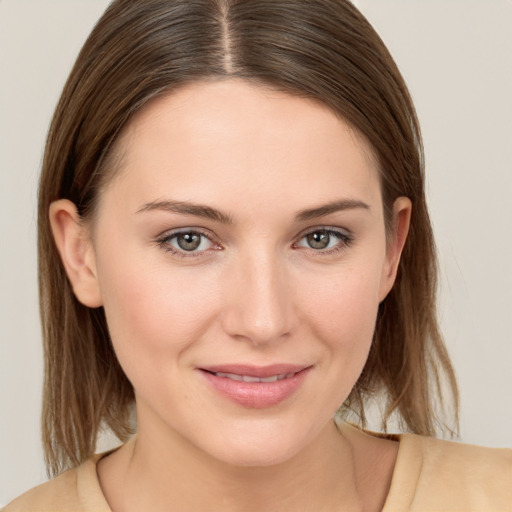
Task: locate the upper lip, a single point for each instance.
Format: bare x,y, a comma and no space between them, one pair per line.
256,371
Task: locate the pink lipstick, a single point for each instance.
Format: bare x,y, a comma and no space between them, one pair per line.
256,387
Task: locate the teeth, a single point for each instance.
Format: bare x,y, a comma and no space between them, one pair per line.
247,378
270,379
232,376
250,378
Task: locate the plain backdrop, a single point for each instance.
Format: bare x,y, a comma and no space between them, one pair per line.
456,56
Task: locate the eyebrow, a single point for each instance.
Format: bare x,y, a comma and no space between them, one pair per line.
327,209
206,212
187,208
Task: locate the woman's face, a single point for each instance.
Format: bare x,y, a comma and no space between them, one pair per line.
240,254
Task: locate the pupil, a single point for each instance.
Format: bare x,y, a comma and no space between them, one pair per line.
189,241
318,240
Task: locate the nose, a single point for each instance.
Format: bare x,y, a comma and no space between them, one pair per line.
259,300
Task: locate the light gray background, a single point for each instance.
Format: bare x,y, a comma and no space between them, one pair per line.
456,56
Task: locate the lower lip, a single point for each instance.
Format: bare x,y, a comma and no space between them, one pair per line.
256,395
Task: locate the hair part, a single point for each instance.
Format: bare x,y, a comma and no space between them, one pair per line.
318,49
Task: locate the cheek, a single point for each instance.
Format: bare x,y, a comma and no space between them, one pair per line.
344,304
339,312
153,312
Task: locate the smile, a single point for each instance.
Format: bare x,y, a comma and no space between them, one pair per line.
252,378
256,387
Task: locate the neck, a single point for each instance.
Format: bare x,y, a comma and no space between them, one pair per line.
157,470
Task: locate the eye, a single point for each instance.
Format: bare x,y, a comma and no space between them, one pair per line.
187,243
325,240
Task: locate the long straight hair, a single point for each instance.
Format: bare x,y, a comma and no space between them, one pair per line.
320,49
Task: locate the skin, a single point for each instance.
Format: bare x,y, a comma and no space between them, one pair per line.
255,293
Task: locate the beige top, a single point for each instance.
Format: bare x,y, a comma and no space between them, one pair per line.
430,475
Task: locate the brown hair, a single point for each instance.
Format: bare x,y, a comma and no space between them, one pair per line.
321,49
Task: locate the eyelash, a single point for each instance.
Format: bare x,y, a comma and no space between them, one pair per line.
345,241
164,243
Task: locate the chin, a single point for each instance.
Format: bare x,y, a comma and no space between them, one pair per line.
262,446
248,457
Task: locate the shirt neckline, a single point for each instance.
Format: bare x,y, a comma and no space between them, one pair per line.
404,480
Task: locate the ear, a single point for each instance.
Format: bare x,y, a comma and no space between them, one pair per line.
76,251
402,208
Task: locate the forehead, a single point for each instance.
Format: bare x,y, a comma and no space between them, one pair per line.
208,139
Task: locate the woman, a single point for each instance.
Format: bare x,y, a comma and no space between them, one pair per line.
234,240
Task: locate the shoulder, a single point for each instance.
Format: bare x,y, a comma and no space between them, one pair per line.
470,463
76,490
57,494
432,474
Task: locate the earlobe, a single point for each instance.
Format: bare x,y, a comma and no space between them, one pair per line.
402,209
76,251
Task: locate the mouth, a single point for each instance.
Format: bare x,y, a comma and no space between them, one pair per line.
253,378
256,387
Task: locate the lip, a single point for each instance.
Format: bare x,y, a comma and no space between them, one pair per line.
256,395
255,371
